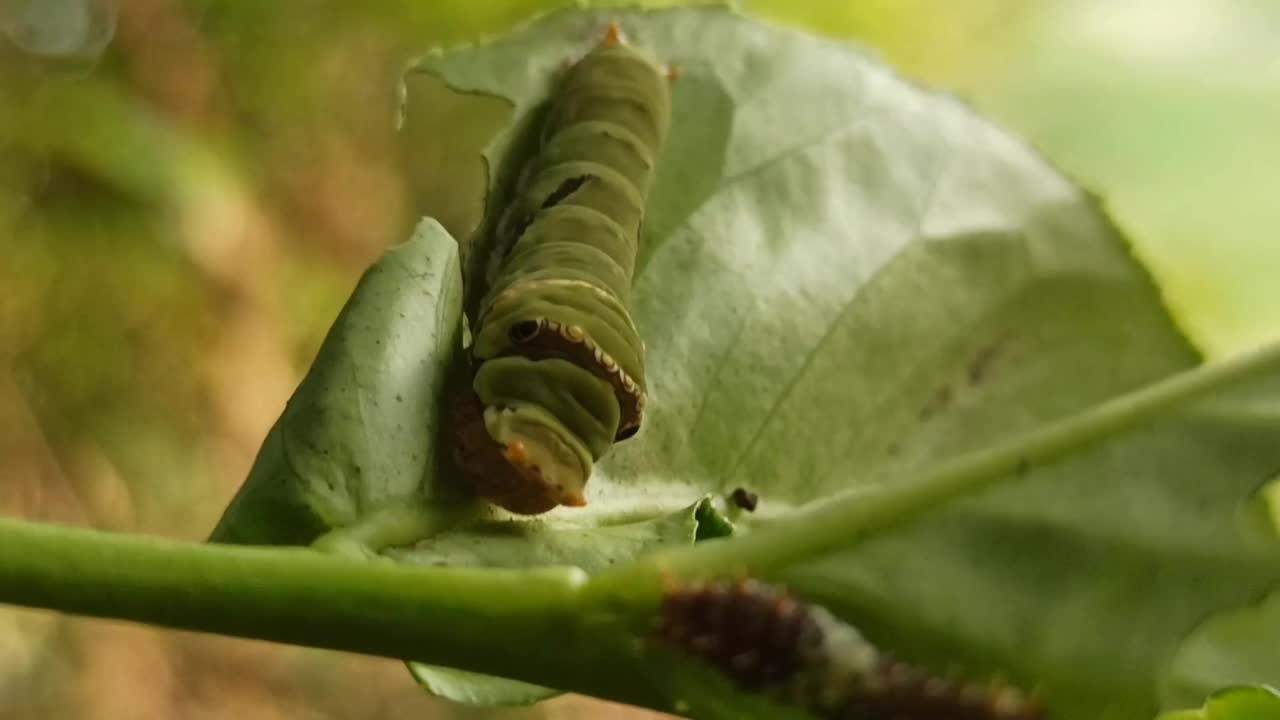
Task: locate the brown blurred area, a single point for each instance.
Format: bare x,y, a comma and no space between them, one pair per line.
184,206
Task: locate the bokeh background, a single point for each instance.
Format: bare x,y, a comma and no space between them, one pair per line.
190,189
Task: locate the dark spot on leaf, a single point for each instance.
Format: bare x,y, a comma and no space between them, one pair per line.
399,397
1022,468
981,364
936,403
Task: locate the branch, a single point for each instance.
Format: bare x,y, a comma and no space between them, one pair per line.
548,626
520,624
854,516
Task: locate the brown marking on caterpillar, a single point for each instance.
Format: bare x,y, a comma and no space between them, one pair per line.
487,467
560,194
552,339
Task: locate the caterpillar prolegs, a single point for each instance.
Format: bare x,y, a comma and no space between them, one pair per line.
766,641
558,363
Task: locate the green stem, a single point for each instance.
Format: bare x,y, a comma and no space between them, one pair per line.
854,516
471,619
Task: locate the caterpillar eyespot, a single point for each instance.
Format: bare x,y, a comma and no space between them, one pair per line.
523,332
765,640
557,363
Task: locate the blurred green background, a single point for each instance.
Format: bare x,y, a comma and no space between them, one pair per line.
189,190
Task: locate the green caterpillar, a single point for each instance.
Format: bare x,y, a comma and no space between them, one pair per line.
558,363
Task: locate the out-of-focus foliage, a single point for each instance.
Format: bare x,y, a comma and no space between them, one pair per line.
1229,648
184,208
1234,703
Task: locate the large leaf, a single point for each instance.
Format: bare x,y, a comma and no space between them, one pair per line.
846,278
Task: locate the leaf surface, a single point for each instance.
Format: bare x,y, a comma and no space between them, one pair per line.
846,278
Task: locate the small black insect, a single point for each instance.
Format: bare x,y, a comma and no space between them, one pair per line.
765,640
745,499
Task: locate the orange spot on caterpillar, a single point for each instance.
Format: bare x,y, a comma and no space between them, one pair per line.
575,500
516,454
670,583
673,72
612,35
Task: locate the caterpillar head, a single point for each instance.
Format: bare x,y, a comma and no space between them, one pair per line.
530,431
524,469
542,451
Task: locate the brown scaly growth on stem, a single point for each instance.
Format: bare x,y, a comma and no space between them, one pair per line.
766,640
895,689
758,637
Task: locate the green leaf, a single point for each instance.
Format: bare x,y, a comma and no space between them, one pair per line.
845,279
1236,646
476,689
1239,703
357,439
